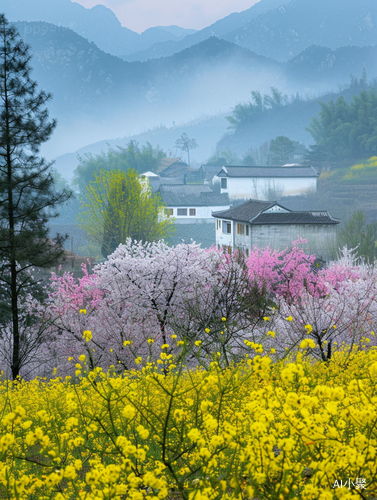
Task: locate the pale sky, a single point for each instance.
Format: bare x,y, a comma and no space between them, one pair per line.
138,15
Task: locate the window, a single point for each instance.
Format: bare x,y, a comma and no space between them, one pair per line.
169,212
247,230
227,227
181,211
192,212
240,229
224,183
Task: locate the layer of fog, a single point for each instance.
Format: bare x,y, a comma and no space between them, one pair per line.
200,112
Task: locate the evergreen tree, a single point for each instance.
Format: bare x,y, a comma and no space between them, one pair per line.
345,131
281,149
27,195
244,114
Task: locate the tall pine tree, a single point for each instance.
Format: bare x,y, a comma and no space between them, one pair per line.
27,195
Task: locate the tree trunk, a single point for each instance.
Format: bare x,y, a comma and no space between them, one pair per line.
12,244
15,323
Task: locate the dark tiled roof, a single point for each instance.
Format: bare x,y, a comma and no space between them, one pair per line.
253,211
210,171
156,182
215,199
246,211
185,189
184,195
235,171
295,218
211,168
170,167
175,171
167,162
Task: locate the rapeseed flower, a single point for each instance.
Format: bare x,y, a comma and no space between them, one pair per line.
243,425
307,343
87,335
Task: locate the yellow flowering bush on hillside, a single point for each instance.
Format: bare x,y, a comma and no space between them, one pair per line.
256,430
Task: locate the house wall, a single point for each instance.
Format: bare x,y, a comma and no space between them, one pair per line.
258,187
224,239
201,213
321,238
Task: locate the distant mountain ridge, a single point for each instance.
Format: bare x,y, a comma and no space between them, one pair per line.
286,31
282,29
278,29
218,29
98,24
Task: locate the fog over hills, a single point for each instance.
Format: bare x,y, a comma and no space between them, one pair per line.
98,96
206,130
98,24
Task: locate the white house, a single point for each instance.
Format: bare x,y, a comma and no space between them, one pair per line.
263,183
266,223
189,203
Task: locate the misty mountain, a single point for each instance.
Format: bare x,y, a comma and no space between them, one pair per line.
282,29
89,84
310,65
219,28
98,24
97,95
286,31
211,133
85,79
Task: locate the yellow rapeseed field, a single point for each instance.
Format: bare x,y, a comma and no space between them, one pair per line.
258,430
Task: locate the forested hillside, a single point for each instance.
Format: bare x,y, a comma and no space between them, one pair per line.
266,116
347,131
